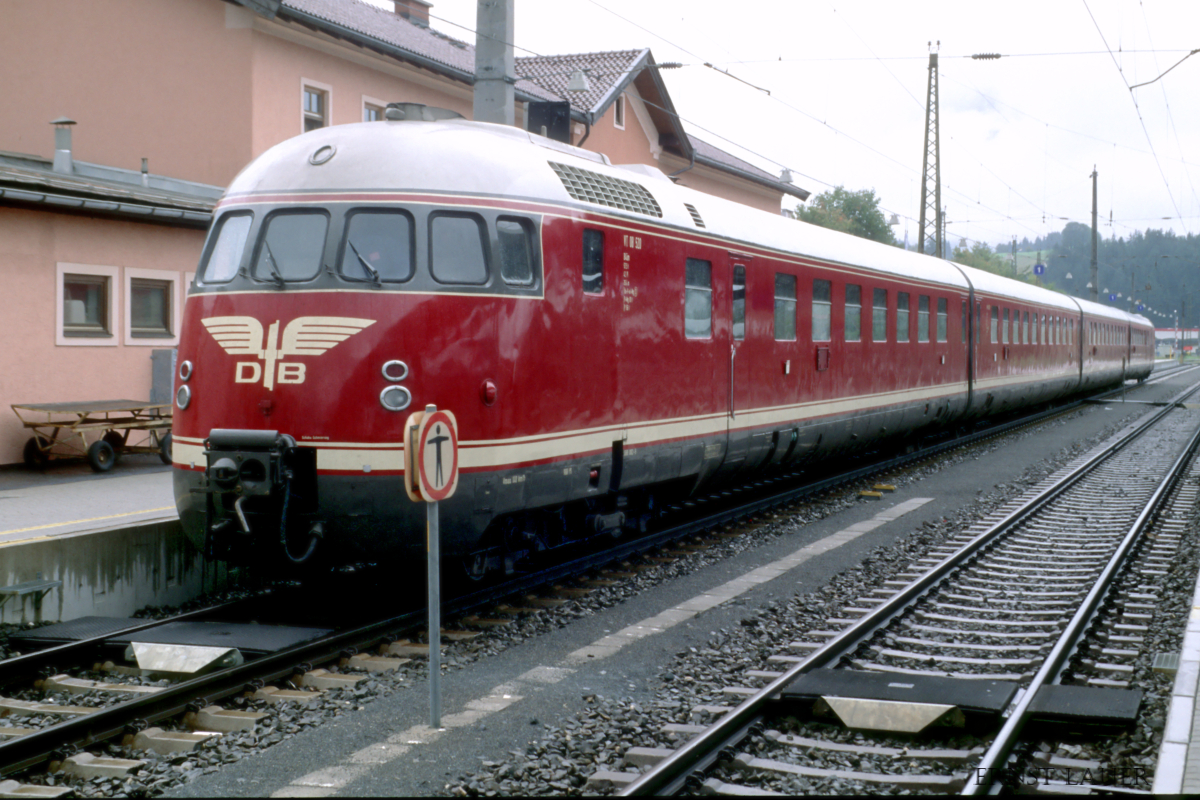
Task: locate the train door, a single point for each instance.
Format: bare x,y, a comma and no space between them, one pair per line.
740,389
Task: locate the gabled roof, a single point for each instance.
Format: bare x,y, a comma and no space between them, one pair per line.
711,156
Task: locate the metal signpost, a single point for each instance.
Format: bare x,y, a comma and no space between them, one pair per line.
431,475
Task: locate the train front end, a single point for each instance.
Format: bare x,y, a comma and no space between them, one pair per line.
338,292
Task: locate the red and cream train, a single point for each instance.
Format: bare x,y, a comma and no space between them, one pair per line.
606,338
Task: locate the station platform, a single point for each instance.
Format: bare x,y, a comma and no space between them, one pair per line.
1178,770
75,543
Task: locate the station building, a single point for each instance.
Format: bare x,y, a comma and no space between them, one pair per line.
124,121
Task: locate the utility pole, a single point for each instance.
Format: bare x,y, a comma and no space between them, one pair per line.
495,74
1095,276
932,237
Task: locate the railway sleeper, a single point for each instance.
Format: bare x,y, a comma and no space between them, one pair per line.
936,783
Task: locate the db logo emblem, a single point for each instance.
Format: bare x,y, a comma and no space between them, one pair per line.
303,336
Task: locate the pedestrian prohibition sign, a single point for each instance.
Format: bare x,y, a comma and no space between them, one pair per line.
433,456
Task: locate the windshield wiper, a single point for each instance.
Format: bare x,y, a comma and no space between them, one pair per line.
271,263
365,264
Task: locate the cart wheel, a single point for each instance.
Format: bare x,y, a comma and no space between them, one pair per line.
101,456
117,442
164,448
35,455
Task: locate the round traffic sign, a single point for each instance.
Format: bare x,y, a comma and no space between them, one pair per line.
437,456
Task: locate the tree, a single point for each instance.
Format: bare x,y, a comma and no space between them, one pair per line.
980,256
856,213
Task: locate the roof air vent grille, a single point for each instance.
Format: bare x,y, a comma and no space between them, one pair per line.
696,218
592,187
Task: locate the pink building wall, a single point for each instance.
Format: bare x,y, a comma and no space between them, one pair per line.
33,368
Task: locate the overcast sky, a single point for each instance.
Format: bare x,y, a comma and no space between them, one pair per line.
847,83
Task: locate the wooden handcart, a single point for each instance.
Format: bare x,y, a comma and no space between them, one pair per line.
99,431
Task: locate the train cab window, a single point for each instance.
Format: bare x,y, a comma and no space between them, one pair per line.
739,303
785,307
291,246
902,317
458,249
822,302
995,325
923,318
593,261
941,319
515,237
963,322
852,330
697,321
226,248
378,246
879,315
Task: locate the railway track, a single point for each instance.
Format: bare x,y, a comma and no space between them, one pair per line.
135,710
1047,600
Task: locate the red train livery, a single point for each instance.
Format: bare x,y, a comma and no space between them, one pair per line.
608,341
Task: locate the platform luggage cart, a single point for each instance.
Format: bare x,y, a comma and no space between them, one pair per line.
99,431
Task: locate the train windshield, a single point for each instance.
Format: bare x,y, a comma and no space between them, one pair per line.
291,246
378,247
225,253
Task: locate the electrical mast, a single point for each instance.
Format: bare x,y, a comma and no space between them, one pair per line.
931,187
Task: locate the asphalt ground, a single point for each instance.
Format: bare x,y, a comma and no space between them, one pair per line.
501,703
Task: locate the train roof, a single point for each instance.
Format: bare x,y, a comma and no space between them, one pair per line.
457,156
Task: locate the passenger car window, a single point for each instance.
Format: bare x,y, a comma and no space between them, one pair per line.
941,319
902,316
923,318
1004,328
852,330
1025,327
739,303
515,237
228,245
378,246
458,249
593,261
963,322
995,324
291,246
879,315
697,323
821,305
785,307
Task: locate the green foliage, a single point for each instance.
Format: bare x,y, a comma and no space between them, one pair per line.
856,213
980,256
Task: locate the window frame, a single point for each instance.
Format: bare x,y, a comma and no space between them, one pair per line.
485,228
373,103
530,229
995,325
942,321
922,319
903,331
619,112
736,302
875,313
828,305
795,305
344,245
324,89
583,262
111,276
173,296
260,241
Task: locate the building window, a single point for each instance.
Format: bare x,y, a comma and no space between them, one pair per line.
85,305
151,307
619,112
86,310
879,315
785,308
697,301
372,113
853,328
315,103
821,304
902,316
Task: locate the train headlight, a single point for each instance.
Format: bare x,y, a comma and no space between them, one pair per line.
185,371
395,370
183,398
395,398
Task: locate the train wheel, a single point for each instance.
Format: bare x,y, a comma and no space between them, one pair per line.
101,456
164,448
35,454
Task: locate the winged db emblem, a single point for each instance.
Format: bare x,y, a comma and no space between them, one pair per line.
303,336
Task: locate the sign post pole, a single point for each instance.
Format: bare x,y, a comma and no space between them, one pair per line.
431,463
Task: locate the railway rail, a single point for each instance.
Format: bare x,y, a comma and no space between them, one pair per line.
59,740
1007,606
